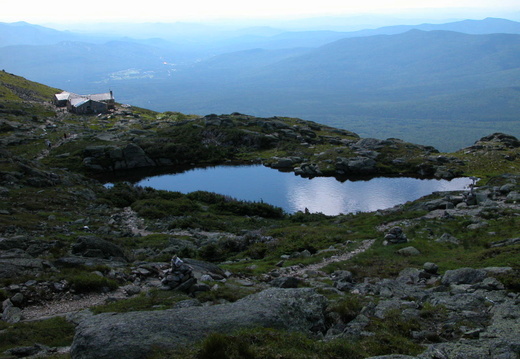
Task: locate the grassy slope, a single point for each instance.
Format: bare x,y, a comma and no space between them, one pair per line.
17,89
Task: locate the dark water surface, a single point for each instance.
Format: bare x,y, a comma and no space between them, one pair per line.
293,193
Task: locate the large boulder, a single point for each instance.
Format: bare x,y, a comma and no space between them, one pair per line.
357,165
463,276
283,162
134,335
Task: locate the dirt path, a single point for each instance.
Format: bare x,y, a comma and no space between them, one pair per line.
44,153
66,306
134,223
298,271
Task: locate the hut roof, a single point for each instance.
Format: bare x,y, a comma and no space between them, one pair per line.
78,101
65,96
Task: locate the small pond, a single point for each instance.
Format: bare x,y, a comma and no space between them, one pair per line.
293,193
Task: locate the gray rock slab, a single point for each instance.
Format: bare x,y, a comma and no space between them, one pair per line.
134,335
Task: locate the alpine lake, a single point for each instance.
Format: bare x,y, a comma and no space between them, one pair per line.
328,195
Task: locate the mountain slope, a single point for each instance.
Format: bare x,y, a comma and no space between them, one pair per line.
436,78
413,58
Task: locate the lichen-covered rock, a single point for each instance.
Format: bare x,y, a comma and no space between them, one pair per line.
463,276
135,334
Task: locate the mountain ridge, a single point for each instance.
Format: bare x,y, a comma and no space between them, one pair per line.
345,93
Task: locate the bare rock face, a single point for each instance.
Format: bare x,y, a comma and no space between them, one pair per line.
134,335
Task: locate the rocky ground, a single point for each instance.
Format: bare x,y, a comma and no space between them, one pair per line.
130,268
467,312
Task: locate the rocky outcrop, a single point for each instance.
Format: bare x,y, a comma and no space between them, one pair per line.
16,262
136,334
113,158
500,139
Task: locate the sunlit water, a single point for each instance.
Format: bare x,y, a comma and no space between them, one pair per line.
293,193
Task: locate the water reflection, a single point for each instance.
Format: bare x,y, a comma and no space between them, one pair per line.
293,193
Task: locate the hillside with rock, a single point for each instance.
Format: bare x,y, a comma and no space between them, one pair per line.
88,271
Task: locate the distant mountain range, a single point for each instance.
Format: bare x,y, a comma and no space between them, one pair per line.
441,85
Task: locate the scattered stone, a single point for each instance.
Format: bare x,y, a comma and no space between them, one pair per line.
447,238
206,278
245,282
477,225
506,242
131,290
409,251
513,197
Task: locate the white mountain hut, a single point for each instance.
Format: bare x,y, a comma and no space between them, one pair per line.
85,104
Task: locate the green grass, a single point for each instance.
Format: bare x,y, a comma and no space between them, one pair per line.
12,87
228,292
54,332
261,343
473,250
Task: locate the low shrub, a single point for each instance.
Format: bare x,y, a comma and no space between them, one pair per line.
244,208
510,280
212,252
90,282
221,346
160,208
122,194
348,307
207,197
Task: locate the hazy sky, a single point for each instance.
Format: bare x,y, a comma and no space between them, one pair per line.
38,11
